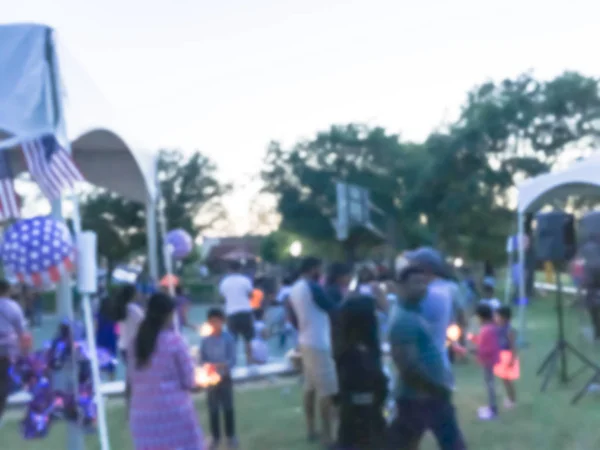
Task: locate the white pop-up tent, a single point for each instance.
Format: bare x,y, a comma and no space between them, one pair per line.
105,158
582,178
32,78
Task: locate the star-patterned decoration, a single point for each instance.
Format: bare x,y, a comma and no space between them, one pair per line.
38,250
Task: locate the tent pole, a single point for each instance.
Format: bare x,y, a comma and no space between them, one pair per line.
152,238
522,302
167,253
508,277
75,435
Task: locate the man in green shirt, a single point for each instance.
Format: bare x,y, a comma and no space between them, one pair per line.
425,384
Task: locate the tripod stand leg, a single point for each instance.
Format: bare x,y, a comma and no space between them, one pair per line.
547,361
550,369
581,356
586,388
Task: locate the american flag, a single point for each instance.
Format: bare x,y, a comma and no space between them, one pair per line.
9,201
51,166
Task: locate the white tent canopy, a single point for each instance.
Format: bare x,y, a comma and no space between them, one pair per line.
581,178
104,156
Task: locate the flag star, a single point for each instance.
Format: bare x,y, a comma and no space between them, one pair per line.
45,249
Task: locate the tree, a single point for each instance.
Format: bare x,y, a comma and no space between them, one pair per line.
303,178
506,132
455,189
191,194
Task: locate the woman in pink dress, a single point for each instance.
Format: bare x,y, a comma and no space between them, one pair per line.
161,374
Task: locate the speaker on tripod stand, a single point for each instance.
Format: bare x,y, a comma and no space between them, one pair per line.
555,241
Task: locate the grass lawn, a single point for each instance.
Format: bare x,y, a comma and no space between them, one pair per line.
270,418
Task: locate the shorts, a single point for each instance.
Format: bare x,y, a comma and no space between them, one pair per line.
241,324
319,372
416,416
504,369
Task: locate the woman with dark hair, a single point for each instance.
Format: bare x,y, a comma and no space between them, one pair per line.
161,374
363,385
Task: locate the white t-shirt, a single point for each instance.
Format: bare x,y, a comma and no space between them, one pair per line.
314,327
283,294
493,303
236,289
129,327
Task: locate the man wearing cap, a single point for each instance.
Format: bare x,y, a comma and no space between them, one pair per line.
424,394
438,306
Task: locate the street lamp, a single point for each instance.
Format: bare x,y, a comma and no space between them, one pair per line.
296,249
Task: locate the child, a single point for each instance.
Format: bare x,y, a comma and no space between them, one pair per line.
507,369
363,385
259,345
218,349
489,298
487,354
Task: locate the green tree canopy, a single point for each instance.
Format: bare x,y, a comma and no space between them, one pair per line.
191,192
455,189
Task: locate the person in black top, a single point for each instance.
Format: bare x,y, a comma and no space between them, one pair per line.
363,385
336,286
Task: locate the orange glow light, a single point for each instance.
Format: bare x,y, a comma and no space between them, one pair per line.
205,329
453,333
207,375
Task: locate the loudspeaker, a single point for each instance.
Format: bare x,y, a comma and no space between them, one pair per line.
590,223
555,237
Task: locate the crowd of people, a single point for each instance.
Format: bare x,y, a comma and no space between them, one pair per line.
341,327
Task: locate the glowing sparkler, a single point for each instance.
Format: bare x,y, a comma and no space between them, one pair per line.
207,375
205,329
453,334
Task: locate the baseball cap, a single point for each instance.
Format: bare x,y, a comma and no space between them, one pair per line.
431,259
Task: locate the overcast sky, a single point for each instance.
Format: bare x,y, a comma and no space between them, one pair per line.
227,77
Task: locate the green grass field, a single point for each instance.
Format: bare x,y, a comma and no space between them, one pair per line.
270,418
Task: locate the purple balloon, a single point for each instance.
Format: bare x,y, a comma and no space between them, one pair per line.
180,242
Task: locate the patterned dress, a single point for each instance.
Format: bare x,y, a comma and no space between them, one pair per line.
162,414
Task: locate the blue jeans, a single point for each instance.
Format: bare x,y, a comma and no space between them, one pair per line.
415,416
